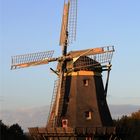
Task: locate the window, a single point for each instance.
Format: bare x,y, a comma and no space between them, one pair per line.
88,115
86,82
64,123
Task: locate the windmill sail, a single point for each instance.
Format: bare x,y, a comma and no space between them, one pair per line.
100,56
69,23
63,35
32,59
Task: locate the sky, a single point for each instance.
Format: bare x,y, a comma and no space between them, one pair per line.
28,26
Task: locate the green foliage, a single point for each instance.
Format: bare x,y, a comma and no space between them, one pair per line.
14,132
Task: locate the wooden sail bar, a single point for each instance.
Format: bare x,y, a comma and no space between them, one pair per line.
92,51
101,55
64,26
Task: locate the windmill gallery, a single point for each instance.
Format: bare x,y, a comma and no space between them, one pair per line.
78,110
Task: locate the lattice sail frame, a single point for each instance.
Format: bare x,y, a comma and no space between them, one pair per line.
32,59
72,21
98,56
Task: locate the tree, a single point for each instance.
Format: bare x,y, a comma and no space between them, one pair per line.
14,132
3,131
135,115
129,126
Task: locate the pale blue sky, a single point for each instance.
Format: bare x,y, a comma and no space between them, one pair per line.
28,26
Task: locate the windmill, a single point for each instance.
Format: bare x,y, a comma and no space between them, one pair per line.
79,98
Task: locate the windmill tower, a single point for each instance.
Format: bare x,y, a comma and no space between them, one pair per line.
78,108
